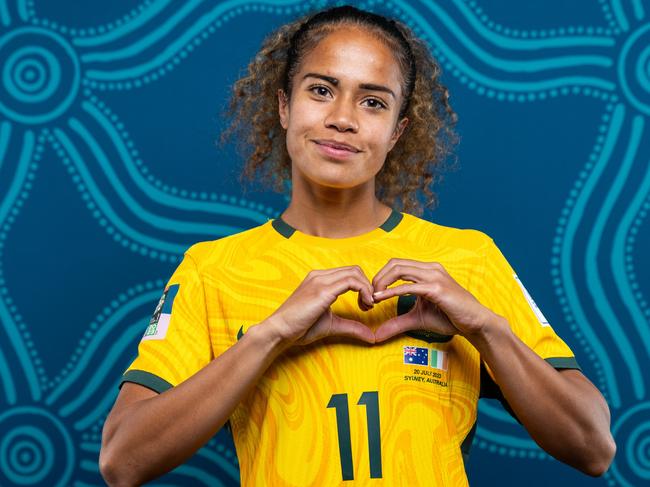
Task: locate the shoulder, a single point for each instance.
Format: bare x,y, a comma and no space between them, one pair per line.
231,248
434,234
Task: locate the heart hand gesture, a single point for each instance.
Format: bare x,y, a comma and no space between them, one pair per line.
443,306
306,315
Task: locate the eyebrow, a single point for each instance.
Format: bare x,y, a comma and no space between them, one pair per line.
363,86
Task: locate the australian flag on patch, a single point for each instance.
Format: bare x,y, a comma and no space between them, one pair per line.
416,355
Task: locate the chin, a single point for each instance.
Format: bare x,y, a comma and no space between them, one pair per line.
338,178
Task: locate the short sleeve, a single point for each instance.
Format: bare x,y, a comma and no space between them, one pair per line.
176,343
505,294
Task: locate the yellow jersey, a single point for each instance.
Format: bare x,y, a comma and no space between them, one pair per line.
338,411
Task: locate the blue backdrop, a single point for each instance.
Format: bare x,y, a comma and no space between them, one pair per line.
108,172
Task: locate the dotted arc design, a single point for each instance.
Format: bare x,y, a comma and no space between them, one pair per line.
56,87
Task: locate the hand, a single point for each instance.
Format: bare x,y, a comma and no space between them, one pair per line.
306,315
442,306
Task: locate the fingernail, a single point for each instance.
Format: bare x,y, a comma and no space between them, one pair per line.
377,293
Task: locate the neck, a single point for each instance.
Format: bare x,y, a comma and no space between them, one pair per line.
335,212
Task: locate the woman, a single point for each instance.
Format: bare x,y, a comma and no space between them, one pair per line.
322,385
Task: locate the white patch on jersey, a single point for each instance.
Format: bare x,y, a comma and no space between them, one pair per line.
158,330
542,319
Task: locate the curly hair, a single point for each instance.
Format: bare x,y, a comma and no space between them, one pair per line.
418,159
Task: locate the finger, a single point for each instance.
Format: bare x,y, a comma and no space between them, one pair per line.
347,280
404,272
351,329
333,270
362,304
396,326
416,288
395,262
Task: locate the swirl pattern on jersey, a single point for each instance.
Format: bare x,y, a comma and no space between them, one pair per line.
103,185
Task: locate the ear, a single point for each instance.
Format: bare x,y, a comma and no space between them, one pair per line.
283,109
397,133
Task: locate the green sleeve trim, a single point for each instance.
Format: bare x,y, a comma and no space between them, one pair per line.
491,390
564,363
146,379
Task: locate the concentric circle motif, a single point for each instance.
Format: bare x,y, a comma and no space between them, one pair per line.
35,448
632,434
39,75
634,68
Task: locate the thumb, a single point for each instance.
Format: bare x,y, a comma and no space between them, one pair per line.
396,326
351,329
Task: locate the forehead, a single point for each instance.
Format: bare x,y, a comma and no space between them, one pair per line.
352,54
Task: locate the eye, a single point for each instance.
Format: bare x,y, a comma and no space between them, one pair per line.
319,90
375,103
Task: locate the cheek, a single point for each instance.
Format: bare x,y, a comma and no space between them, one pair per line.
301,128
380,135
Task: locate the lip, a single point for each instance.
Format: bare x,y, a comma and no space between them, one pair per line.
335,144
333,153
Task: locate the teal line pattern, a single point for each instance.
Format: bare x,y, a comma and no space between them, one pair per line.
44,63
436,40
160,196
154,220
218,460
105,206
98,330
639,12
8,384
21,174
199,475
620,15
91,447
127,28
5,134
107,367
147,41
591,258
8,322
567,251
496,412
4,13
160,59
528,66
527,44
93,347
626,87
89,466
502,439
618,261
22,10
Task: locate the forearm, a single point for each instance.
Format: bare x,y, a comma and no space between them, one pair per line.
568,418
154,435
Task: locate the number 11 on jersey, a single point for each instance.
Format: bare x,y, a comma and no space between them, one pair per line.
370,399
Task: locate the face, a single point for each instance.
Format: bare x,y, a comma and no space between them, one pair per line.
342,119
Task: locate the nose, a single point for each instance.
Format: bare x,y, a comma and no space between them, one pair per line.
342,116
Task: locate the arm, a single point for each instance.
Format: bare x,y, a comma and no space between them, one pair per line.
143,439
562,410
147,435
